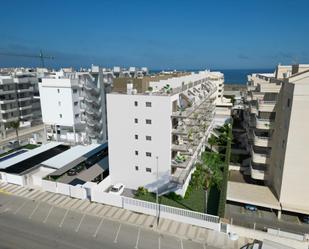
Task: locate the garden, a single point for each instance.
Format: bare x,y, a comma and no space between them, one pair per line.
209,179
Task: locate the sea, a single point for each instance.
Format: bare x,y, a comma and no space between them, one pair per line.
232,76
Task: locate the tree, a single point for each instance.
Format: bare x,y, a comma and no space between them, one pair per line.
15,125
212,141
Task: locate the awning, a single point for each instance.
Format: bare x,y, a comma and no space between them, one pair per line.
252,194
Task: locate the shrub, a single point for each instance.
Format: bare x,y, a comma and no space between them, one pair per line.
174,196
141,191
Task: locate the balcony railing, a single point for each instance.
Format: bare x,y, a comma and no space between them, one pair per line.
264,124
257,171
262,141
266,106
260,156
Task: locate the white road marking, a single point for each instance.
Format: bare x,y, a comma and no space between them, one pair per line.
65,215
49,212
115,241
81,221
138,234
181,244
20,207
98,228
30,216
159,242
204,245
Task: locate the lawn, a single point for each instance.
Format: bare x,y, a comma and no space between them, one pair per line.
194,202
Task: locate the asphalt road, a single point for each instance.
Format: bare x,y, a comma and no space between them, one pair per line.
27,224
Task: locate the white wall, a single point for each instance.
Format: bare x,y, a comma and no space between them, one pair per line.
50,98
15,179
121,113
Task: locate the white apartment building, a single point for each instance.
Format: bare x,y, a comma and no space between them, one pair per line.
156,137
18,101
73,105
277,120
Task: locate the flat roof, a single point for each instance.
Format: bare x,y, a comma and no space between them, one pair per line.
297,209
78,159
35,160
69,156
21,157
252,194
91,173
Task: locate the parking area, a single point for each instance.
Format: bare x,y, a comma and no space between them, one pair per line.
100,222
263,218
99,228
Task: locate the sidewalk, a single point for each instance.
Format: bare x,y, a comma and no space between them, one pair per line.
166,226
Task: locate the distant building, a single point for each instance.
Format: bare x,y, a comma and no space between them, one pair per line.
19,100
73,105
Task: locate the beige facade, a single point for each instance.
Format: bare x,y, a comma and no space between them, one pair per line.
277,119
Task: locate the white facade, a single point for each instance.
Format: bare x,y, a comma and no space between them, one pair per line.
73,105
144,127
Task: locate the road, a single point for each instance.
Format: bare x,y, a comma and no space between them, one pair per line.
26,223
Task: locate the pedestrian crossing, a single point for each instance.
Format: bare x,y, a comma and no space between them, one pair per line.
97,209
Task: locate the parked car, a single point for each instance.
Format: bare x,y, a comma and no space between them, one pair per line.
250,207
117,189
305,219
72,172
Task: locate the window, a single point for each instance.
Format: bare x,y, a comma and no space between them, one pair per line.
289,102
136,136
148,121
148,138
148,154
148,170
75,103
148,104
59,103
135,120
60,115
220,90
135,103
76,115
58,90
74,90
136,168
136,153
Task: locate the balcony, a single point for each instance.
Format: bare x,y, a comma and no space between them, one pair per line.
9,109
266,106
257,95
253,107
8,91
29,89
9,119
25,98
261,139
269,87
26,116
260,155
7,101
264,124
257,171
181,163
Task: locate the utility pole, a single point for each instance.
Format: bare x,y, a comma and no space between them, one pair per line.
157,192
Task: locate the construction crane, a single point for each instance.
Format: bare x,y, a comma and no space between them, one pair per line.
41,56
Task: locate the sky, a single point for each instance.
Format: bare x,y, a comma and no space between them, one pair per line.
170,34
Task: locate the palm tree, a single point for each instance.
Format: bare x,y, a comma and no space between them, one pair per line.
15,125
206,187
212,141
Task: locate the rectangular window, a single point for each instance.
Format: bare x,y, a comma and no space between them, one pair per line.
136,153
289,102
60,115
148,104
59,103
148,170
75,103
148,138
136,168
76,115
148,154
74,90
136,136
58,90
135,103
148,121
135,120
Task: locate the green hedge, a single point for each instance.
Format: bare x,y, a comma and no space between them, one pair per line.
221,209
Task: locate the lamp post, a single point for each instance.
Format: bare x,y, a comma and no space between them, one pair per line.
157,192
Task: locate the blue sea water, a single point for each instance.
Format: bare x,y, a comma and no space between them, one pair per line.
232,76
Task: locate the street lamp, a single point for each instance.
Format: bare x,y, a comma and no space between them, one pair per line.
157,192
